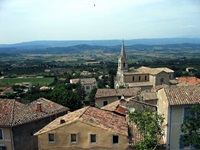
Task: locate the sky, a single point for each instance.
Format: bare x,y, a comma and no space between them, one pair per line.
30,20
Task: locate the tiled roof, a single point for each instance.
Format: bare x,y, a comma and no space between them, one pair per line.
148,95
154,71
94,116
185,81
117,92
131,102
121,110
158,87
74,81
112,106
183,95
14,113
88,80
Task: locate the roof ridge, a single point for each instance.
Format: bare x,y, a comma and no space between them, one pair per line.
83,112
12,117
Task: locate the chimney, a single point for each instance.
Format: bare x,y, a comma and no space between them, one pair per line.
62,121
122,100
92,104
18,99
39,107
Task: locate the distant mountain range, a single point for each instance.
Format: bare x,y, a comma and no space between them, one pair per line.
57,47
46,44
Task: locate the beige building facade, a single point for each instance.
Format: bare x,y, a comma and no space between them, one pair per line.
87,83
143,77
87,128
173,103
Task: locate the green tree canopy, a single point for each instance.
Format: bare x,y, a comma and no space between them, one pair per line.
91,97
191,127
148,123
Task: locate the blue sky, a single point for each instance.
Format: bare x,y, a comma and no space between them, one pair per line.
29,20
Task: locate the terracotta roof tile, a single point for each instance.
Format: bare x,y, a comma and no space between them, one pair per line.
183,95
88,80
148,95
117,92
158,87
185,81
15,113
154,71
94,116
131,102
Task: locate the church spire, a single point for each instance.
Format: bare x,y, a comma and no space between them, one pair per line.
123,53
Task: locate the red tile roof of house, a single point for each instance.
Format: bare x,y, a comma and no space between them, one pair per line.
185,81
183,95
14,113
93,116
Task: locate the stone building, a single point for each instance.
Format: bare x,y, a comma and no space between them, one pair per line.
107,96
86,128
143,77
87,83
18,122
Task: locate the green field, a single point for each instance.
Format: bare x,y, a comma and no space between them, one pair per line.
35,81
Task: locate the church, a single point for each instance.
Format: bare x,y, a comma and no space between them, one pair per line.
143,77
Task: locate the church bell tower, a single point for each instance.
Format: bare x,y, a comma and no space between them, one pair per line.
122,60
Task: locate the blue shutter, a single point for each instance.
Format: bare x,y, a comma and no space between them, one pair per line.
186,112
181,146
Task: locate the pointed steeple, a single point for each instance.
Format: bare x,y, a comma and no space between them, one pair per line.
123,53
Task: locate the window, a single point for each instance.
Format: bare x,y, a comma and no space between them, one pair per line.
93,138
1,134
2,147
145,78
105,103
73,138
133,78
124,64
139,78
87,87
186,112
51,137
115,139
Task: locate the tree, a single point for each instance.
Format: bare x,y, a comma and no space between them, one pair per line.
148,123
80,91
190,127
66,98
91,97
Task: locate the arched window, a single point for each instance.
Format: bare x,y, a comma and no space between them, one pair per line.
139,78
105,103
133,78
124,64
